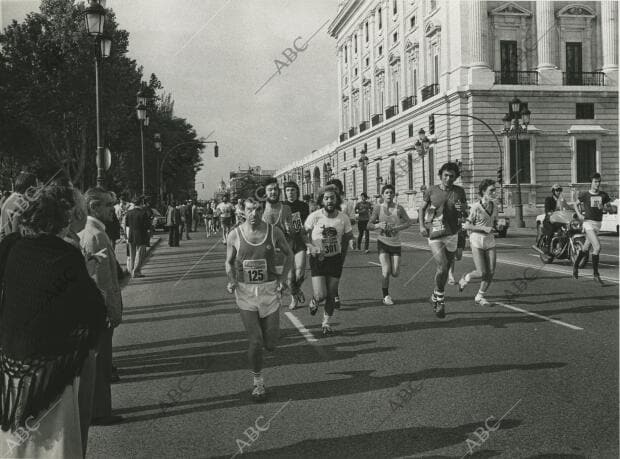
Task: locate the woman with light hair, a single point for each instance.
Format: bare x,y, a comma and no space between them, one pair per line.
51,316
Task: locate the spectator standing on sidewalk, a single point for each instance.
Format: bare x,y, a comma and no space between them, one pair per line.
196,215
101,264
13,206
173,218
138,224
188,219
45,338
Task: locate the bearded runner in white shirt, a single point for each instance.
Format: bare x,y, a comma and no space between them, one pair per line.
330,232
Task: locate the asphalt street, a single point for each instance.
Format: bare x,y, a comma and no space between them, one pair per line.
535,376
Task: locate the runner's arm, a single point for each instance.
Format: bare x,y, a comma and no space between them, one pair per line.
281,243
231,255
423,230
374,218
405,221
346,237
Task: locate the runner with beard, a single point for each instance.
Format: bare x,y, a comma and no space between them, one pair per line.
277,214
330,232
252,276
299,214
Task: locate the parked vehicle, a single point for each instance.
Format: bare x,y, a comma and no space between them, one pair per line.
159,221
565,242
610,221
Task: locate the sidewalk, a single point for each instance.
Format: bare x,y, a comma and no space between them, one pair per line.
120,251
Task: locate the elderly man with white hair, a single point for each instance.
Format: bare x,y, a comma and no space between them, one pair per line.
101,263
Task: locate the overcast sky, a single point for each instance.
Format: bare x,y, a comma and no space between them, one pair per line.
213,56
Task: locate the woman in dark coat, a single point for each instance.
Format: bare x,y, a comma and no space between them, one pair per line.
51,313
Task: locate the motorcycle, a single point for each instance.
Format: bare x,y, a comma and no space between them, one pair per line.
565,242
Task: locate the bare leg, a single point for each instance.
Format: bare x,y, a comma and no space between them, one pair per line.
255,337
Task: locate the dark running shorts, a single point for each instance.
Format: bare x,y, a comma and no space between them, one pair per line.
384,248
460,243
328,267
297,244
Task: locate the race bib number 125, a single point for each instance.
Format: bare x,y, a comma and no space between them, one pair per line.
254,271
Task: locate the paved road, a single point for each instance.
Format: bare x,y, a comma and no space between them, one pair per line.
392,382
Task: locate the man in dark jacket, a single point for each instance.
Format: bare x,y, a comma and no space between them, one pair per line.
138,224
173,220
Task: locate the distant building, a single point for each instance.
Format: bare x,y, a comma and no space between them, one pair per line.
244,183
399,62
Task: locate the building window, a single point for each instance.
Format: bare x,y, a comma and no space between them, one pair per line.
366,31
411,130
394,7
380,19
354,153
378,142
508,61
586,160
344,155
346,59
393,171
410,169
433,4
355,71
378,175
354,184
380,50
412,22
367,62
393,136
395,37
524,161
584,111
574,63
355,43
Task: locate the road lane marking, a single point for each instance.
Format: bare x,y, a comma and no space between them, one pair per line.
511,245
375,263
524,311
199,260
511,262
302,329
600,264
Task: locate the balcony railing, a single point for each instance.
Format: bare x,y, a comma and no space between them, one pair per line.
583,78
391,111
343,136
526,77
352,132
429,91
364,125
376,119
409,102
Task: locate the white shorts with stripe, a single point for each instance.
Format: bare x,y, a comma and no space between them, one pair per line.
262,298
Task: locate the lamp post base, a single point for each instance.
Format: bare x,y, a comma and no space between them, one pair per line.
519,216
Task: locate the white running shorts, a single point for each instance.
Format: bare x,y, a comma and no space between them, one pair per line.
481,241
592,225
262,298
447,242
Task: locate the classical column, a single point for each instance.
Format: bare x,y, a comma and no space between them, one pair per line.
340,114
403,56
549,73
373,80
609,25
350,61
480,72
387,78
360,71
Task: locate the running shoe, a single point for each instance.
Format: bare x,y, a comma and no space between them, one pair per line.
293,304
439,306
482,301
337,302
388,300
451,280
462,283
327,329
300,296
314,307
259,393
366,251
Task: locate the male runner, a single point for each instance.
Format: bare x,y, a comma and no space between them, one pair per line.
389,218
442,205
593,202
362,212
226,210
299,214
330,231
277,214
252,275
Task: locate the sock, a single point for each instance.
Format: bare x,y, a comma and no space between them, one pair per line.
258,378
337,299
481,293
595,259
325,319
385,292
468,277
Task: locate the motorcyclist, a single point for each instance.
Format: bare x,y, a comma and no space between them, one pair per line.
553,203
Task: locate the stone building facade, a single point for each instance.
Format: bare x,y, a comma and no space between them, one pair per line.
400,61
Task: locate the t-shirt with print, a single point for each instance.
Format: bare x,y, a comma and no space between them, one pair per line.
444,201
393,216
593,204
327,232
226,209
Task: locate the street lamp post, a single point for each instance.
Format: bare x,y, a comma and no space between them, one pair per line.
94,19
512,129
363,164
422,146
141,111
